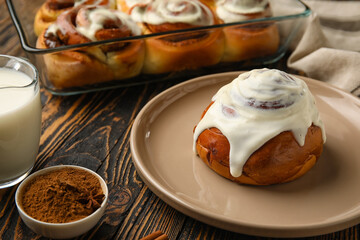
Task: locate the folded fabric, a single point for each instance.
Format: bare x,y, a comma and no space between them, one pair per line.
329,49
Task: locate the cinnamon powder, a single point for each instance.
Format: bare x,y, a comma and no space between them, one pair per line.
62,195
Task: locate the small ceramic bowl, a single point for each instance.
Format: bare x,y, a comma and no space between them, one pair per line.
60,230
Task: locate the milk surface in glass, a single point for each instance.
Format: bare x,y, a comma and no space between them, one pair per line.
20,121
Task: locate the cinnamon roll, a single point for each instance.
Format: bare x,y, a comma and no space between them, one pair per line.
89,65
51,9
262,128
177,52
250,40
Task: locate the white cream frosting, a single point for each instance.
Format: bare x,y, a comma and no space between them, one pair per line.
174,11
137,8
137,12
132,3
110,3
52,29
79,2
239,112
99,15
235,10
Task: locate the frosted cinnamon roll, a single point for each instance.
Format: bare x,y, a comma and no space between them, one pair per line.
262,128
251,40
95,64
51,9
181,51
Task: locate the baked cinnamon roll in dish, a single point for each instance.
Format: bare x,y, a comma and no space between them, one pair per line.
250,40
90,65
181,51
51,9
262,128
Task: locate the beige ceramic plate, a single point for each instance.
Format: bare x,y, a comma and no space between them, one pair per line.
326,199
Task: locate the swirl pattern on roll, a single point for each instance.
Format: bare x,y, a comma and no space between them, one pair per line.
193,13
257,106
90,23
51,9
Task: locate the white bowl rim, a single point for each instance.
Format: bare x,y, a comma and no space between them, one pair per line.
51,168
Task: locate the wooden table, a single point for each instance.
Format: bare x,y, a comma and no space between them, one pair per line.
92,130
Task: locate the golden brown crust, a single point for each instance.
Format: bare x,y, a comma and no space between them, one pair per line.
164,56
250,41
122,6
74,69
279,160
253,40
68,69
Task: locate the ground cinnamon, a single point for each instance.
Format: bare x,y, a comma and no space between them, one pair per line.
63,195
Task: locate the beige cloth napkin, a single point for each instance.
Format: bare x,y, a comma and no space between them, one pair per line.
329,49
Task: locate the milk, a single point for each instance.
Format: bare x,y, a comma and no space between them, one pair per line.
20,121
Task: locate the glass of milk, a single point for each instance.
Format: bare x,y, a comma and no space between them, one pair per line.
20,119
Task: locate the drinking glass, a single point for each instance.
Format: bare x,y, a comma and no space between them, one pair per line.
20,119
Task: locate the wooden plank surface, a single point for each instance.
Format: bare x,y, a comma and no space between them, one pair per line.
93,130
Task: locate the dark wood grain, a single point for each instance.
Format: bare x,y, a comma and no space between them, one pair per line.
93,130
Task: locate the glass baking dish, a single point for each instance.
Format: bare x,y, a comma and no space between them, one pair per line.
287,18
